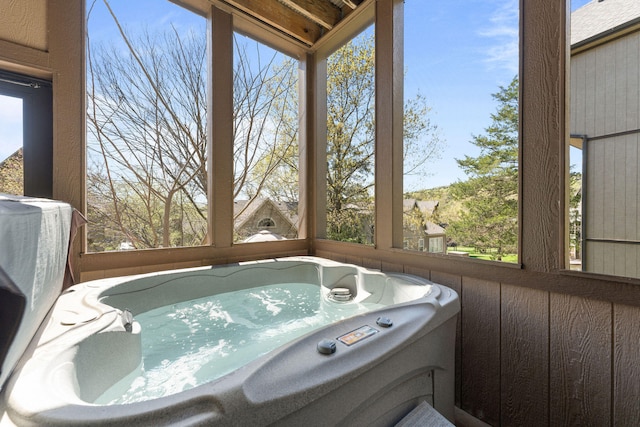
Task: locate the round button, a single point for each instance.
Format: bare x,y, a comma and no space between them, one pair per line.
327,347
385,322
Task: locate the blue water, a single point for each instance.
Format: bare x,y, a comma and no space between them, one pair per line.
197,341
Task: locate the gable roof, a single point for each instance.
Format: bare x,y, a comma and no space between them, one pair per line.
243,210
427,207
600,18
431,228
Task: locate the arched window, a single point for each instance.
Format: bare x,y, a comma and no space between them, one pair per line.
266,223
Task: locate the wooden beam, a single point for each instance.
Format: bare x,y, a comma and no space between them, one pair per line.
280,17
350,3
220,119
321,12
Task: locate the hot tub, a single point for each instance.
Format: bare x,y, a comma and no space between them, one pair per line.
388,346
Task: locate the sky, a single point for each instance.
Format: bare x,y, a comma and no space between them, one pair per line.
457,53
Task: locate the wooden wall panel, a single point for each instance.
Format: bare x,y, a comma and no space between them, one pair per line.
632,190
524,356
632,109
24,22
480,364
626,366
580,361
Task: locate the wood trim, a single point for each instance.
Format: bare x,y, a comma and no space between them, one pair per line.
543,133
305,145
110,264
25,60
220,147
389,75
319,151
600,39
66,29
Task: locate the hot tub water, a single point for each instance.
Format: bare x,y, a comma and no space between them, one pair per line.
197,341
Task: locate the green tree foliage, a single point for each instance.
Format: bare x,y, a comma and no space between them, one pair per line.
351,139
490,195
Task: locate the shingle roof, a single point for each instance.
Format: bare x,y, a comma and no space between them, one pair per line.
601,16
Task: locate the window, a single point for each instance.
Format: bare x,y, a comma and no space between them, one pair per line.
26,126
266,223
436,244
146,125
11,153
602,182
461,125
265,138
350,97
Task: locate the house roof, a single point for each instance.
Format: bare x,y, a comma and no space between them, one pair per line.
433,229
244,209
427,207
599,18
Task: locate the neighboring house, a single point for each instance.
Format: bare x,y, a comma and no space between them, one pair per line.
605,125
419,232
12,174
257,215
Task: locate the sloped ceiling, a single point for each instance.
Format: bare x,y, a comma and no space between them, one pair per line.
304,20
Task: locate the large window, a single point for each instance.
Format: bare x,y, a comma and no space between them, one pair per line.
461,127
146,125
350,95
265,156
603,183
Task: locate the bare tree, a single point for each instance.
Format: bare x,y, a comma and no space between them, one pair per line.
147,109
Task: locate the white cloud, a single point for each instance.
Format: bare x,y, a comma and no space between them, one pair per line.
503,30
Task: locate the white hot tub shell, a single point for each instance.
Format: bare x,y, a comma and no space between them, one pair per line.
85,347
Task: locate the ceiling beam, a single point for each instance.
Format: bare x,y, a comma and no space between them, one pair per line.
281,17
352,4
322,12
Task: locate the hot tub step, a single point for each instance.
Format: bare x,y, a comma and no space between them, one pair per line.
424,415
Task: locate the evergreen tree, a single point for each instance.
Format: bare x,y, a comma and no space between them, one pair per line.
490,195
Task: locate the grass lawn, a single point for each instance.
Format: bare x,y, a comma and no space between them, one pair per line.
486,255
